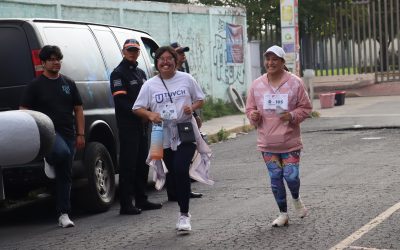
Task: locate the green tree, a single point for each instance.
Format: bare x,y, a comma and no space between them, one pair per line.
171,1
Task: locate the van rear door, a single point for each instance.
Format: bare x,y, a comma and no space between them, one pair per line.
16,68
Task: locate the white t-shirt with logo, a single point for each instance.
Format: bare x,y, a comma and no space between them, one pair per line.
183,89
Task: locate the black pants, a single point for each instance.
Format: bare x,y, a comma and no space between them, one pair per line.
178,163
133,172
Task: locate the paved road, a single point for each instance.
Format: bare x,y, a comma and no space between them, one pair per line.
348,179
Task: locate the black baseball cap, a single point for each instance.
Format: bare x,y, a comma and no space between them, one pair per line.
179,48
131,43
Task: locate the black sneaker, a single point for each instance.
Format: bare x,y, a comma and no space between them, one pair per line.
147,205
195,195
130,210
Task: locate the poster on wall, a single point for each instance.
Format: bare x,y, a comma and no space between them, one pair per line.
290,34
234,43
287,13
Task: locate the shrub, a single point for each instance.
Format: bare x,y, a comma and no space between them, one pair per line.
217,108
222,134
315,114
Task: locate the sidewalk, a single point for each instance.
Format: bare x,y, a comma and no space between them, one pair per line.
357,112
229,123
355,85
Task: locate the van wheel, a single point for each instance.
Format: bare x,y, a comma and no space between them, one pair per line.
101,178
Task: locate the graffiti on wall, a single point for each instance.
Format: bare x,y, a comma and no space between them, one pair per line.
198,58
226,73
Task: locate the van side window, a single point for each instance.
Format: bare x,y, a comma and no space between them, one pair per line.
109,48
121,36
16,63
81,53
151,48
142,65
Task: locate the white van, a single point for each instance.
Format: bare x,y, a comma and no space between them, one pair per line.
91,52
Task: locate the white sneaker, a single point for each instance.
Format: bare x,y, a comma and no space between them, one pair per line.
49,170
282,220
183,223
64,221
301,210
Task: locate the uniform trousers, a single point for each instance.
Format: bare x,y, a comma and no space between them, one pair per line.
133,172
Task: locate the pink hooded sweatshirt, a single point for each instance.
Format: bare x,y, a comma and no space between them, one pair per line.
274,135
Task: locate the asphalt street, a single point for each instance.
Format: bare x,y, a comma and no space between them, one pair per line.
350,183
349,178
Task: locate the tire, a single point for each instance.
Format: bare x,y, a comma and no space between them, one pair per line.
236,99
100,193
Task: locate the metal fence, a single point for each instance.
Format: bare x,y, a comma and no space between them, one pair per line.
359,37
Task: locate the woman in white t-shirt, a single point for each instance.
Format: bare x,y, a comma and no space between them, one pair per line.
170,97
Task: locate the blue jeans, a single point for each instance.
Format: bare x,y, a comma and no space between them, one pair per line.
61,157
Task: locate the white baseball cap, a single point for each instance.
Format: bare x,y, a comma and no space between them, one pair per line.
278,51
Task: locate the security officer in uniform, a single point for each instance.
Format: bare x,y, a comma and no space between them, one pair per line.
126,81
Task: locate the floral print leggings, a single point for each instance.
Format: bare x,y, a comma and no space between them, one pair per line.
283,166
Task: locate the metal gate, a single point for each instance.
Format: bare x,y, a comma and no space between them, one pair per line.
359,37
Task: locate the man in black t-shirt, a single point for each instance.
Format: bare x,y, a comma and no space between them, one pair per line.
58,97
126,81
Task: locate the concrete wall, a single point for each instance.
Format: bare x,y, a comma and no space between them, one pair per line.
200,28
255,61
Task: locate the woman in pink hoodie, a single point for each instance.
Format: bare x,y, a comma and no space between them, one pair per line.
277,102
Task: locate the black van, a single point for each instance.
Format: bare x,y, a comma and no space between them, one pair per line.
91,52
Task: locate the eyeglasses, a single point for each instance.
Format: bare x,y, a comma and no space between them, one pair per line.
133,50
53,60
166,59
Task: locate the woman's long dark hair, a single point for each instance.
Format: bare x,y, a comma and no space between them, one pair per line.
285,68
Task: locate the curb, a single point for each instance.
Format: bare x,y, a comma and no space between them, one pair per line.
351,128
214,138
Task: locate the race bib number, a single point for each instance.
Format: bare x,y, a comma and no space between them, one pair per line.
168,112
271,101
